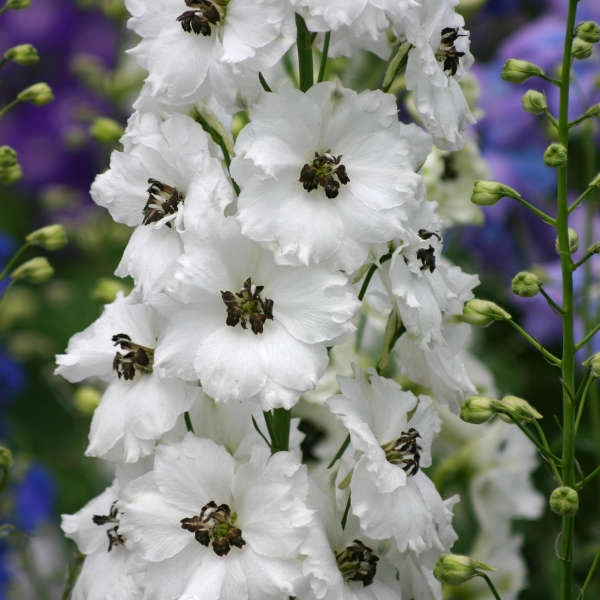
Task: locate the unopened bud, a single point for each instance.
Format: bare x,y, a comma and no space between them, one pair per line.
51,237
106,289
573,241
534,102
11,174
526,284
517,71
6,458
593,111
593,362
483,313
555,155
520,409
35,270
581,49
17,4
455,569
8,157
588,31
23,54
86,399
477,409
564,501
106,130
486,193
38,94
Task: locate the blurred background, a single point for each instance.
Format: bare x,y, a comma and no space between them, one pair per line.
62,146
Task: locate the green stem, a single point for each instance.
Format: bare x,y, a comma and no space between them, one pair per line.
369,275
587,478
583,260
590,574
551,118
5,294
10,105
581,198
589,335
556,82
491,586
73,574
579,120
13,260
324,57
188,421
540,213
551,302
553,360
340,452
264,83
305,57
3,61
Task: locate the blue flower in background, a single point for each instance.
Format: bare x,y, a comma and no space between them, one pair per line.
35,497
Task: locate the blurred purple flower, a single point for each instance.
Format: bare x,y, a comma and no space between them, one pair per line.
35,496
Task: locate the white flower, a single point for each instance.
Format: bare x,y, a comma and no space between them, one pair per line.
139,405
329,177
248,328
214,529
165,183
390,494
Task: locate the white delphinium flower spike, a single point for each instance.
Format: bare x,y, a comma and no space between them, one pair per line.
166,183
139,405
214,529
390,494
329,178
247,327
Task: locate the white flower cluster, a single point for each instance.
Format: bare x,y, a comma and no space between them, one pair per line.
250,262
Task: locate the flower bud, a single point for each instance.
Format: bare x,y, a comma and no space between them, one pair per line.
594,363
573,241
534,102
581,49
35,270
477,409
520,409
555,155
8,157
6,458
486,193
517,71
455,569
588,31
10,170
526,284
483,313
106,289
17,4
86,399
51,237
593,111
23,54
38,94
106,130
564,501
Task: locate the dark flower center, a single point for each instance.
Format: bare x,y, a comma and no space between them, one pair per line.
203,15
405,451
136,358
216,525
247,306
447,54
450,172
114,537
357,562
325,171
162,200
427,255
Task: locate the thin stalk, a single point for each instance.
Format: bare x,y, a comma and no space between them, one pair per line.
491,586
13,260
587,478
3,62
556,82
340,452
581,198
583,260
551,302
545,353
540,213
324,57
588,336
590,574
10,105
305,57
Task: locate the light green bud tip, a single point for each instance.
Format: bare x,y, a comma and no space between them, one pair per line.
38,94
483,313
23,54
35,270
86,399
573,241
593,111
526,284
520,409
555,155
534,102
588,31
581,49
51,237
477,409
594,363
106,130
517,71
564,501
18,4
455,569
10,169
106,289
6,458
486,193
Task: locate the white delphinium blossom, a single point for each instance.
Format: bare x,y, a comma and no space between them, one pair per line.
197,48
331,178
211,528
139,404
166,183
248,328
390,494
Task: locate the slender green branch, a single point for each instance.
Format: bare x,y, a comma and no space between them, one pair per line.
587,478
263,82
305,56
590,574
13,260
581,198
556,82
553,465
585,258
490,585
8,106
540,213
551,118
551,302
553,360
583,398
370,273
188,421
324,57
3,62
589,335
580,119
340,451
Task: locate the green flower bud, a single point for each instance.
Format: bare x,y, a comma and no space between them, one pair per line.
35,270
6,458
86,399
593,111
477,409
8,157
588,31
486,193
526,284
51,237
38,94
555,155
17,4
11,174
106,130
517,71
564,501
483,313
594,363
581,49
534,102
573,241
105,290
455,569
23,54
520,409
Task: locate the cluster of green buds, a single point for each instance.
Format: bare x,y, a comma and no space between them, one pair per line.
586,35
479,409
